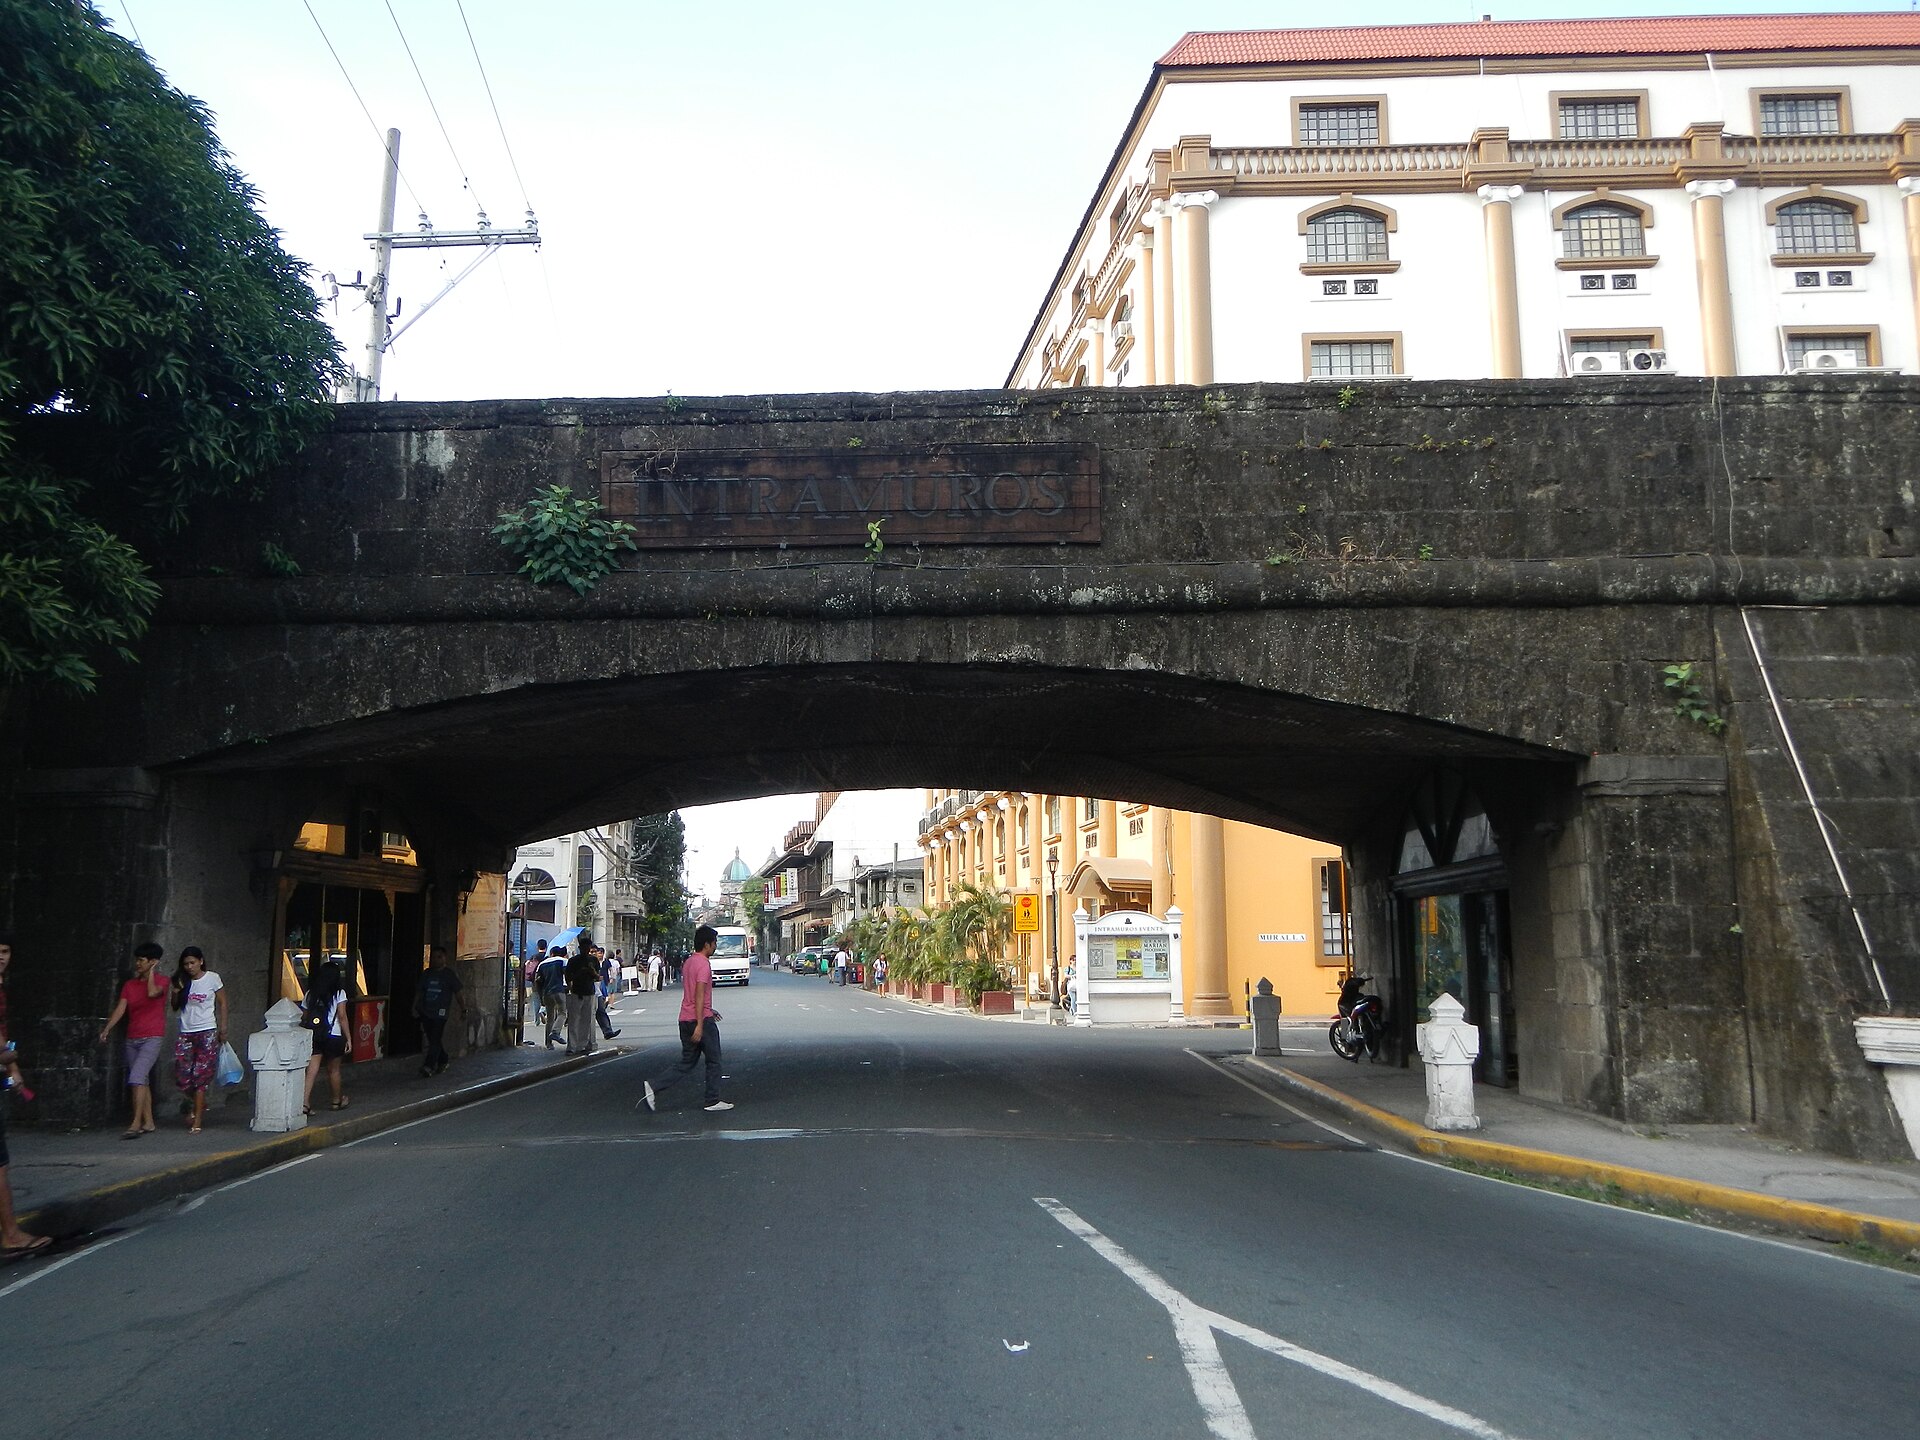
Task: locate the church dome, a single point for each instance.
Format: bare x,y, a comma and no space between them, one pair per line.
737,871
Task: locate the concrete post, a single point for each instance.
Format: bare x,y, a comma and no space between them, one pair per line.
1710,262
1448,1048
279,1055
1082,1010
1894,1044
1266,1019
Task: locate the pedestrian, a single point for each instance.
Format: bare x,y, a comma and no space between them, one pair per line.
880,972
14,1242
551,981
433,1001
841,961
143,1000
699,1027
656,972
534,962
324,1012
600,1016
582,979
202,1002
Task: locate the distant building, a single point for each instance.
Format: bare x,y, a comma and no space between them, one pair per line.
1714,195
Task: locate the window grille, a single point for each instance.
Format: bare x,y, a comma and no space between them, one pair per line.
1340,124
1610,344
1603,232
1617,119
1350,357
1800,346
1816,227
1346,237
1799,114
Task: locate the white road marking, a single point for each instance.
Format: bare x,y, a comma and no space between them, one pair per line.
1194,1326
65,1261
199,1200
1276,1100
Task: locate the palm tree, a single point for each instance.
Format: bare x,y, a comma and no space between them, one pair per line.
978,924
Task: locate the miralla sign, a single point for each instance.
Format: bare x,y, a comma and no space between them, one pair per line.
944,495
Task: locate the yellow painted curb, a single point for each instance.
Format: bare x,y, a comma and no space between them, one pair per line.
1825,1222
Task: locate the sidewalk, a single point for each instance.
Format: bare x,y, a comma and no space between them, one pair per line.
66,1181
1723,1170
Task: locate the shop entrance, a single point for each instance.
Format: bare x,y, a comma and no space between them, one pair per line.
1451,929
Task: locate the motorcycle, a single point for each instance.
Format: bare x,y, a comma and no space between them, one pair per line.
1361,1022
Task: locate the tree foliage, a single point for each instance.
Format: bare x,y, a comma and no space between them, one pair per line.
157,346
659,857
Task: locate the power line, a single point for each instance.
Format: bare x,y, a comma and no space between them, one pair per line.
378,133
505,143
131,25
459,165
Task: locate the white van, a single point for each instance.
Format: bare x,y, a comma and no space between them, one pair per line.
733,956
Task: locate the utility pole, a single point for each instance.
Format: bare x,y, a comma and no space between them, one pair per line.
369,386
386,240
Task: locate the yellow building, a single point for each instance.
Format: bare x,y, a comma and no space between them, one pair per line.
1256,903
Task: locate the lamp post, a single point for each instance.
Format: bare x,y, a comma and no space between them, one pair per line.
1053,925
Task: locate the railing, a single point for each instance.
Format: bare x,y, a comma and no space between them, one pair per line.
1601,154
1812,149
1256,162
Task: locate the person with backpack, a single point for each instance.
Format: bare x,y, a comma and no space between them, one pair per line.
324,1012
433,1002
550,981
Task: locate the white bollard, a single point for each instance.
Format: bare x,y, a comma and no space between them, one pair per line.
1265,1008
1448,1047
279,1055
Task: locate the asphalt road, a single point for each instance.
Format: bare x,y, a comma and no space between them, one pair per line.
926,1225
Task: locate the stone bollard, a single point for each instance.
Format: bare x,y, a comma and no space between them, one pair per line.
1894,1044
1265,1006
279,1056
1449,1046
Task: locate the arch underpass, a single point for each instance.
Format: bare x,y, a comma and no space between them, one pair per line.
1253,601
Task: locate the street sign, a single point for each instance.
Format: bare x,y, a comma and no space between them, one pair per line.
1026,914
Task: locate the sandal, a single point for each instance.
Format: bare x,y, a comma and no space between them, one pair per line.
133,1134
193,1130
341,1103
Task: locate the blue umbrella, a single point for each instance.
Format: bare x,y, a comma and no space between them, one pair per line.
566,937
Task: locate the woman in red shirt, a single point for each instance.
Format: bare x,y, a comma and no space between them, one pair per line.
143,1000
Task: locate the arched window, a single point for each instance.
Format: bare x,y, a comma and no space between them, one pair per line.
1816,227
1026,815
1053,815
1348,236
1603,232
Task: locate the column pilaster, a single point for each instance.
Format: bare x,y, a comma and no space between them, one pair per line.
1164,367
1146,327
1710,268
1206,918
1193,282
1910,200
1503,280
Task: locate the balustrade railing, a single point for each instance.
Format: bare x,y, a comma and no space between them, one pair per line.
1262,161
1811,149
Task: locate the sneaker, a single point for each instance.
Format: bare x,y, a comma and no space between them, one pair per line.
720,1105
646,1095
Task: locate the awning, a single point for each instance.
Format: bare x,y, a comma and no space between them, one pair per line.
1111,874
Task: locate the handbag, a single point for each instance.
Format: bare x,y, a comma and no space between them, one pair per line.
231,1071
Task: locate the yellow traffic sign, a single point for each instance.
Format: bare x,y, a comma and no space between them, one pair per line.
1026,914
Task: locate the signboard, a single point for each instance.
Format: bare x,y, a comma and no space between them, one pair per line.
1026,914
946,495
1283,938
1128,957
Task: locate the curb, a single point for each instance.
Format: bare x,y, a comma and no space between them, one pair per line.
1821,1222
100,1207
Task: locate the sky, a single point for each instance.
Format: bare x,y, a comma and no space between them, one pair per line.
736,196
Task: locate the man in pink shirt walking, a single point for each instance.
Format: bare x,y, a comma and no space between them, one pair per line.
699,1026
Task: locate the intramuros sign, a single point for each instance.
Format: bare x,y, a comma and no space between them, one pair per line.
951,495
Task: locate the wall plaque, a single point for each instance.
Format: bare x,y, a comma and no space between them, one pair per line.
945,495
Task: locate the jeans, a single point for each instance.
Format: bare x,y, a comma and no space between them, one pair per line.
579,1024
690,1053
436,1028
602,1019
556,1006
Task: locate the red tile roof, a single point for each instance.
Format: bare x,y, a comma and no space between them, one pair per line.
1657,35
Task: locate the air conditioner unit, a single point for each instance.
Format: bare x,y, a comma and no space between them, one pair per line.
1829,360
1645,361
1596,362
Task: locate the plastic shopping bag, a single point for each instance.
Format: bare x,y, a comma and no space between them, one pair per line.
231,1072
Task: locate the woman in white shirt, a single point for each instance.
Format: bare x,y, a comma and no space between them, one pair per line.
324,1011
202,1003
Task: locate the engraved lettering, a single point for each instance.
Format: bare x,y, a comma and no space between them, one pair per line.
861,504
932,490
966,494
681,494
809,499
760,493
1051,486
1022,493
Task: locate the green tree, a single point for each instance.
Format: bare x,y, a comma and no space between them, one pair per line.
659,857
157,346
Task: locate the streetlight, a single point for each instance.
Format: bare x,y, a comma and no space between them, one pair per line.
1053,920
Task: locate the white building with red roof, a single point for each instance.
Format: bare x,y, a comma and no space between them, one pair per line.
1710,195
